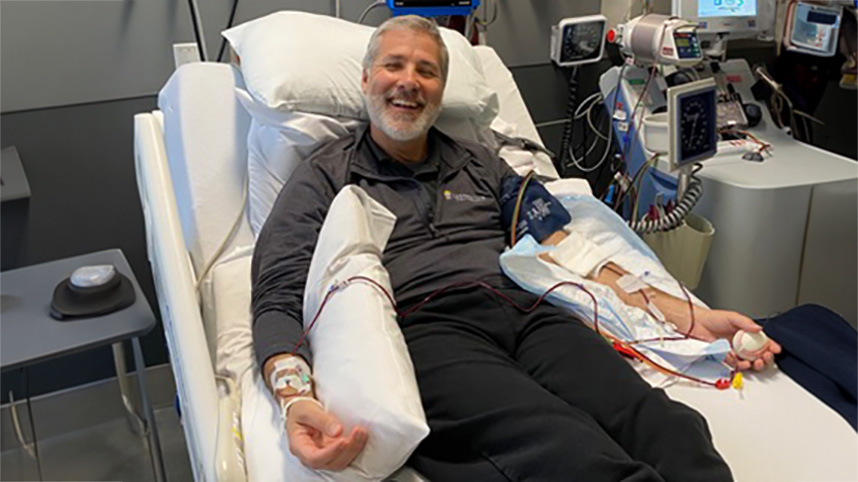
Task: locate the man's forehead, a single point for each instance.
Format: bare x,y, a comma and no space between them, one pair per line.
396,44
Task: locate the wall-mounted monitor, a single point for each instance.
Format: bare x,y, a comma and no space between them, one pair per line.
733,18
432,8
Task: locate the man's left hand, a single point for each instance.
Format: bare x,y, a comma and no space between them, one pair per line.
712,324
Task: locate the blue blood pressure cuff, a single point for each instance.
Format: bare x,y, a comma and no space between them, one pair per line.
540,215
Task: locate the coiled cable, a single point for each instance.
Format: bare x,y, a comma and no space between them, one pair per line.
571,105
675,217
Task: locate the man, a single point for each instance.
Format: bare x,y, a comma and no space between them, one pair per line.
508,395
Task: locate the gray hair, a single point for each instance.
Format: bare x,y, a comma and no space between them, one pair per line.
413,23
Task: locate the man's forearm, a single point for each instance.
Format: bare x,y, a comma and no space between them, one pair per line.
675,310
679,312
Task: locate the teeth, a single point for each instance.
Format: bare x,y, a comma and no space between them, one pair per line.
403,103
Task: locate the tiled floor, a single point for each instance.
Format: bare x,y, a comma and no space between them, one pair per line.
106,452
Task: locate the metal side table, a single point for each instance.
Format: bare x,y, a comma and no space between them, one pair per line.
28,334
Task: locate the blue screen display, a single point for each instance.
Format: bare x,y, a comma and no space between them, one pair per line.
726,8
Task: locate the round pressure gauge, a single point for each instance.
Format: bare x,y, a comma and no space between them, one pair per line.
692,121
696,125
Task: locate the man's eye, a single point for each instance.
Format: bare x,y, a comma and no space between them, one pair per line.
428,73
392,65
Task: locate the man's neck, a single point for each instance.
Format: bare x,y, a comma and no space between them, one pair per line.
410,152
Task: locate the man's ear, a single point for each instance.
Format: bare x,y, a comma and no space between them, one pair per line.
364,80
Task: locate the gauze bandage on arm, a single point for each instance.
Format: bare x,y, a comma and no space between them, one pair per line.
579,255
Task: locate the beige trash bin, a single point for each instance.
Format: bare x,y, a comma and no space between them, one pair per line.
683,251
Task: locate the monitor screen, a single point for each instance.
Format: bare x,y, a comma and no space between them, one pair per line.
432,3
726,8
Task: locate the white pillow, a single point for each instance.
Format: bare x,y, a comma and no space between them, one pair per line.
295,61
361,366
230,303
278,141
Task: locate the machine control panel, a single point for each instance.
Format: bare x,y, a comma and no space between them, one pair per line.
687,45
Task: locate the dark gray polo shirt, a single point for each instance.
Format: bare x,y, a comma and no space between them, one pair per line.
448,227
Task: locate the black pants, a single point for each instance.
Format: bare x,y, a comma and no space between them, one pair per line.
540,397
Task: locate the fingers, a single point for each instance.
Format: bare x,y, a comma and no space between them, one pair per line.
329,453
316,438
759,364
774,347
736,362
354,445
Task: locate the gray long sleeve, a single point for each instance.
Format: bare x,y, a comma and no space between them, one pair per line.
281,261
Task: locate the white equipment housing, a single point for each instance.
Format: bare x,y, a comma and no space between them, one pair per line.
813,29
660,39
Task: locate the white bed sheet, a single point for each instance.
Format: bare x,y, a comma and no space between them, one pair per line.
772,430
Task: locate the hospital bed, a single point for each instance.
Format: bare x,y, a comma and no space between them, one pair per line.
191,165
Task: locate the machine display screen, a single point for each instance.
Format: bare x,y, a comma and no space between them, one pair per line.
821,18
727,8
432,3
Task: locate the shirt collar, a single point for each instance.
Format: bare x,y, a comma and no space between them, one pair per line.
371,159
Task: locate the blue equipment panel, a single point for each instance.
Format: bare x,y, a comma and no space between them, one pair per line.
687,45
432,8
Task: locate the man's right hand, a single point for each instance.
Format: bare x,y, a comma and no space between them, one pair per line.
318,440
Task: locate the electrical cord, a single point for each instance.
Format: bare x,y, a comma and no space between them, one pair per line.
518,202
370,8
483,24
608,144
32,422
674,218
228,26
196,26
622,196
216,256
566,140
649,165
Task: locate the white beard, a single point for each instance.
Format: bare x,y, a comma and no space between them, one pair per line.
399,127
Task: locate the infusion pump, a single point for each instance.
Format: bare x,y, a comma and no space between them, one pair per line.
659,39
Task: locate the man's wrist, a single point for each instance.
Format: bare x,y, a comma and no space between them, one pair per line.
288,376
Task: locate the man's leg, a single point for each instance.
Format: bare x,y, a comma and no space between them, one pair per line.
570,360
490,421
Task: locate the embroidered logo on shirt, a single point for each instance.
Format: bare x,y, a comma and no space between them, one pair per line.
450,196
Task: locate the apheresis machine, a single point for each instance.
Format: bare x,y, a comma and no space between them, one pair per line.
695,129
226,137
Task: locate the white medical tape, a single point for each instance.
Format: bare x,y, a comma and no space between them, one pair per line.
286,404
578,254
292,372
631,283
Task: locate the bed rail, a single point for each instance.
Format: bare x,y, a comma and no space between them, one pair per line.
177,299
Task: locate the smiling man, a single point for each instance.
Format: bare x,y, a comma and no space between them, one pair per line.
509,395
